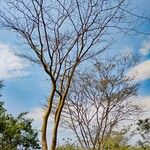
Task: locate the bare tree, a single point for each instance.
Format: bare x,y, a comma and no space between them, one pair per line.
61,35
100,100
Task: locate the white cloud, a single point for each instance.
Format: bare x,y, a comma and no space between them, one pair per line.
11,66
142,71
145,48
145,102
36,114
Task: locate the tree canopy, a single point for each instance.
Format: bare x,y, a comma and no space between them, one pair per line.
16,132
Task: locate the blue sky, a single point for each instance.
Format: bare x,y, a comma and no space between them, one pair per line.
26,87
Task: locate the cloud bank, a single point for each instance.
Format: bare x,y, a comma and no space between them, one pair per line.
11,66
145,102
141,71
37,113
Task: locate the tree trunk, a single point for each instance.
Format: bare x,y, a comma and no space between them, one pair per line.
54,137
44,129
45,119
59,110
56,124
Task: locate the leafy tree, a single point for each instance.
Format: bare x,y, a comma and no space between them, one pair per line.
144,131
117,141
68,147
69,144
16,132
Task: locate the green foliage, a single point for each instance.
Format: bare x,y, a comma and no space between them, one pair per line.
143,130
117,141
16,131
68,147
